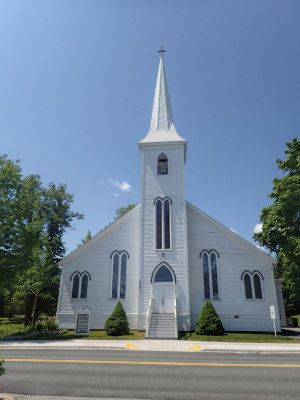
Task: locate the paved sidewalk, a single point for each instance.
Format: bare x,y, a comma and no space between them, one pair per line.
154,345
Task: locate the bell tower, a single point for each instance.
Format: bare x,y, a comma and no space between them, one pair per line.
163,241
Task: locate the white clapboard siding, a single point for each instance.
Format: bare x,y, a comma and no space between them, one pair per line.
172,186
236,256
95,257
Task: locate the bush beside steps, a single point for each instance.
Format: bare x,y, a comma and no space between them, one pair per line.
117,324
209,322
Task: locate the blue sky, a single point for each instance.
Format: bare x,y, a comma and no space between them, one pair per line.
77,81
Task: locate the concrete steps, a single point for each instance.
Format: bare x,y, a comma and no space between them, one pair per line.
162,326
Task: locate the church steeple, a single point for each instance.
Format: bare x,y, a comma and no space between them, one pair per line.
162,117
162,128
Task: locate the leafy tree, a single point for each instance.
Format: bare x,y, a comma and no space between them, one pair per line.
117,324
209,322
2,369
86,239
123,210
281,226
33,220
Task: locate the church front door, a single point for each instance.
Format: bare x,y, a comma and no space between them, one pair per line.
163,296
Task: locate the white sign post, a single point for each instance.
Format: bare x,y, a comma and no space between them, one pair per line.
273,317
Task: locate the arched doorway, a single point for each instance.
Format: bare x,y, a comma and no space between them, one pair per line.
163,282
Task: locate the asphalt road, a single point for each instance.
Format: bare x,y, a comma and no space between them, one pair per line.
151,375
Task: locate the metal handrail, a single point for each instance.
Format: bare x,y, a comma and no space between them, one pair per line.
175,317
148,316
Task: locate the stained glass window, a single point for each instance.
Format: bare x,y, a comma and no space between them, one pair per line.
115,277
206,276
123,276
214,276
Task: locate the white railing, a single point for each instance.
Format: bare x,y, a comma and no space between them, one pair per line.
175,317
148,316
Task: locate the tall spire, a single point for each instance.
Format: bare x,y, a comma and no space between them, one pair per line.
162,127
162,117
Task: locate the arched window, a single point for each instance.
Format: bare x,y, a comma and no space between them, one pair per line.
123,276
80,284
257,286
84,286
119,266
214,275
206,276
75,287
163,223
163,274
210,275
115,276
162,164
252,285
158,207
248,286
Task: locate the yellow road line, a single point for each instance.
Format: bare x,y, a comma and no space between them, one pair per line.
38,360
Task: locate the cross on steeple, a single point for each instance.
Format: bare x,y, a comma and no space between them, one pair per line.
161,51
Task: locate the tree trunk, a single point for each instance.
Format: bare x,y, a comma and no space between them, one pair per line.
28,309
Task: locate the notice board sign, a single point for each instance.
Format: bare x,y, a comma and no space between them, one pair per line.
272,312
82,321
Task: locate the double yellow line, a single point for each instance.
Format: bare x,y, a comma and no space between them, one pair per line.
181,364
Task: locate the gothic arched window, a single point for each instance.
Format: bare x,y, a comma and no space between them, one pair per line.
253,285
162,164
248,286
257,286
119,266
210,275
163,223
75,287
84,286
80,284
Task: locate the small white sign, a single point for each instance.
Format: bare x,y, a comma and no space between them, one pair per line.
82,321
272,312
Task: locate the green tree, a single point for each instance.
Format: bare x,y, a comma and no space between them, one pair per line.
209,322
281,226
123,210
86,238
117,324
33,220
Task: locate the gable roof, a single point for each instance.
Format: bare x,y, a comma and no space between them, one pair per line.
228,231
111,227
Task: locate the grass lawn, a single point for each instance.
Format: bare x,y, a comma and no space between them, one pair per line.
95,335
240,337
17,325
298,317
9,328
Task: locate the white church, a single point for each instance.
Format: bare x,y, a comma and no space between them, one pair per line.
165,258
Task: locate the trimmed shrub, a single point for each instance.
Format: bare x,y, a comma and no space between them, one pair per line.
2,369
117,324
208,322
